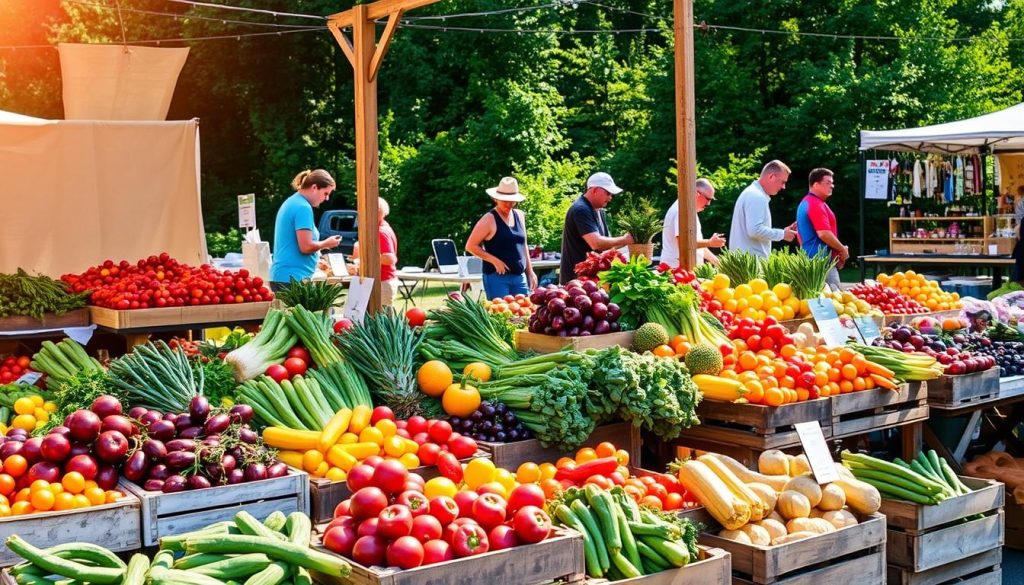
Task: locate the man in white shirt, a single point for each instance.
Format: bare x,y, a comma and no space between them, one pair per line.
669,241
752,229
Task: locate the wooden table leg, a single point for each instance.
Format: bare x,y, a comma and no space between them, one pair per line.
912,436
933,441
965,440
135,339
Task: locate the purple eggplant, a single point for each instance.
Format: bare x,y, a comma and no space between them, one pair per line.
241,413
183,422
162,430
159,471
255,472
153,485
190,432
247,435
198,482
181,445
136,467
175,483
155,450
217,423
180,459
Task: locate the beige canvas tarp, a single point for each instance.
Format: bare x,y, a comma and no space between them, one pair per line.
75,193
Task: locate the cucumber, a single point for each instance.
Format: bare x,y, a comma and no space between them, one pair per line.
248,524
283,551
176,577
276,521
236,566
138,566
272,575
62,567
193,561
88,553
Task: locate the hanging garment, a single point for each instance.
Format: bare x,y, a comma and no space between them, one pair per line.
958,178
977,174
947,182
969,172
917,178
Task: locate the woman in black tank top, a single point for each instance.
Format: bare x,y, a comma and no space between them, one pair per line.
499,239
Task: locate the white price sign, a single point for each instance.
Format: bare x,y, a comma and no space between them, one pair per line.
247,211
818,455
359,290
876,180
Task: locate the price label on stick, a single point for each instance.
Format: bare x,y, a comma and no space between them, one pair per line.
29,378
868,328
359,290
832,328
816,450
247,211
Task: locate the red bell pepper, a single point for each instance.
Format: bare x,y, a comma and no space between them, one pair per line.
601,466
469,540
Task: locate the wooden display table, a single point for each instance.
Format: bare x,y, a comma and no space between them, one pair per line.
996,263
138,324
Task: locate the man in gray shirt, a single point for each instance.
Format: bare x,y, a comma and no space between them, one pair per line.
752,229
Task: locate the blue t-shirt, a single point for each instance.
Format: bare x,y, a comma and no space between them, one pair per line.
289,262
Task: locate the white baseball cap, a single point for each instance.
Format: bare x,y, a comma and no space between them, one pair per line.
604,181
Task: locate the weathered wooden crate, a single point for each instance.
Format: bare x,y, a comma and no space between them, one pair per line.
851,555
557,558
325,494
541,343
744,431
857,413
925,537
713,567
76,318
115,526
1014,537
512,455
168,514
979,569
964,389
185,316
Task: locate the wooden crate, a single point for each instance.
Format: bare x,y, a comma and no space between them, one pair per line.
541,343
76,318
184,316
979,569
857,413
557,558
936,547
988,495
744,431
952,391
1014,529
713,567
512,455
115,526
850,555
325,494
168,514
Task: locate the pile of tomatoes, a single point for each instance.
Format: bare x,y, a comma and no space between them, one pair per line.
14,367
162,281
391,520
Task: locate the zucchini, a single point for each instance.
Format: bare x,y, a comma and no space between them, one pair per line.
299,528
177,541
272,575
235,567
31,579
135,574
198,560
275,521
248,524
176,577
283,551
62,567
163,559
87,553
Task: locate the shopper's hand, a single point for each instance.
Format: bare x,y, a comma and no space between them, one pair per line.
531,279
499,266
629,239
330,243
716,241
788,235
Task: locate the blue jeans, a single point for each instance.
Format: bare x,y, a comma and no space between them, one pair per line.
498,285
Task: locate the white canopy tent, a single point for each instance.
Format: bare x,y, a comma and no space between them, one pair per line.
1001,131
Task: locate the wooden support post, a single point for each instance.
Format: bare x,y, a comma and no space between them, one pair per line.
364,44
366,55
686,148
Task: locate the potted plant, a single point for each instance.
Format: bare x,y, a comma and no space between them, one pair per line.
640,219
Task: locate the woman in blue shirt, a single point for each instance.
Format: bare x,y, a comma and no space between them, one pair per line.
499,239
297,242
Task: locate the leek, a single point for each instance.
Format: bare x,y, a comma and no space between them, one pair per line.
270,346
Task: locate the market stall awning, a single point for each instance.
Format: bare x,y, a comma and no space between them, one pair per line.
1001,131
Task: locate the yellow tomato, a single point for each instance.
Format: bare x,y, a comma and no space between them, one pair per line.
387,426
409,460
24,405
478,472
394,446
371,435
505,478
440,486
528,472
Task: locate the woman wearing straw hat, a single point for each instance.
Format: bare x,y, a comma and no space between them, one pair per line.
499,239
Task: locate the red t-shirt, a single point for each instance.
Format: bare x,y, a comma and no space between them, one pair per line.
388,245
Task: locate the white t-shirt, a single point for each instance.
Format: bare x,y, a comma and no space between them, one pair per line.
669,240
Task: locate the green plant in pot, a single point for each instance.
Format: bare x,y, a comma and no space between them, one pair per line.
638,218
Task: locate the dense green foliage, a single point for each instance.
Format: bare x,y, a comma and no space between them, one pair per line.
461,109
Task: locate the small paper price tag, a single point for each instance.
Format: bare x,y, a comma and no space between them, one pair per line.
29,378
337,264
816,450
359,290
868,328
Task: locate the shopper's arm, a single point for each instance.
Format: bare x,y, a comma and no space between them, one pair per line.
758,223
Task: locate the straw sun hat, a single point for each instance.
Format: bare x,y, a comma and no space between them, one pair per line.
507,190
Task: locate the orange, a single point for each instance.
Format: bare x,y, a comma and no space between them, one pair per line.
551,488
846,355
15,465
39,485
748,361
43,499
845,387
310,461
820,378
787,351
858,384
778,370
834,374
6,484
802,394
606,449
64,501
434,377
22,495
114,495
564,462
791,392
676,340
849,371
664,351
528,472
585,454
869,383
773,397
755,392
22,507
681,349
96,496
787,382
547,470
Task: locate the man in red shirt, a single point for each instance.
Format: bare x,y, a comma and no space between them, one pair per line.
816,224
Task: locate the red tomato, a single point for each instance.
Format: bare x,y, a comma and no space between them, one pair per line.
295,366
416,316
444,509
277,372
461,446
428,453
601,482
437,551
532,524
501,537
381,413
394,522
489,510
417,503
340,539
526,494
405,553
652,502
425,528
300,352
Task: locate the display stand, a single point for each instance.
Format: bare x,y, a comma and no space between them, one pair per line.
136,326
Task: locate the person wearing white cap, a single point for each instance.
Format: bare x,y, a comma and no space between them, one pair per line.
585,226
499,239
